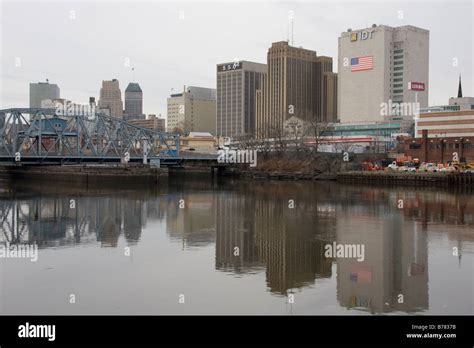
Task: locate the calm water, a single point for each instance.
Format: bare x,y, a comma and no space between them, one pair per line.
188,248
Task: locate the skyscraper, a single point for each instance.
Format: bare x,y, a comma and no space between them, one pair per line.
193,110
133,102
294,87
111,98
329,108
237,83
41,91
379,65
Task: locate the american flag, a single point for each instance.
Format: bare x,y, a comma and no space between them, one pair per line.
362,63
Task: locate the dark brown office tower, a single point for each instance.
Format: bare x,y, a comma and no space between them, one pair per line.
329,97
294,86
324,91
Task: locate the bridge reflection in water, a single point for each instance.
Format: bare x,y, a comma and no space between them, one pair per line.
253,230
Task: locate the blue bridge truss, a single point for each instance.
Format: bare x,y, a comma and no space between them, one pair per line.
41,136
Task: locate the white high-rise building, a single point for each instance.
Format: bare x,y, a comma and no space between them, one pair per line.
193,110
379,66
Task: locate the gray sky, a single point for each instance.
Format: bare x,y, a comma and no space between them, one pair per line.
171,44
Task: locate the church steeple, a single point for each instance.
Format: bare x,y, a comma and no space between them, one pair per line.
460,88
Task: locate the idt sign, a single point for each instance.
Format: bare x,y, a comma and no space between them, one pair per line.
362,35
416,86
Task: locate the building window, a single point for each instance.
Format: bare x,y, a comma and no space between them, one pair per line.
398,68
415,146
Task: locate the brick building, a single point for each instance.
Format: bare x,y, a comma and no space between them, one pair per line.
440,149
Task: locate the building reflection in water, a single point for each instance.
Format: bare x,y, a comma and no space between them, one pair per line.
190,218
394,273
236,245
255,230
270,235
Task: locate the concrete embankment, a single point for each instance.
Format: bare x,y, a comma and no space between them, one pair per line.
85,173
277,175
409,179
382,177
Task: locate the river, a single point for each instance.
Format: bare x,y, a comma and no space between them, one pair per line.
197,246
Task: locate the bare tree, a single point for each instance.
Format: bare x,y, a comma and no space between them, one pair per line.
183,128
316,129
278,135
295,132
244,141
343,147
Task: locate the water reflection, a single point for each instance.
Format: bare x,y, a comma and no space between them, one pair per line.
273,227
268,234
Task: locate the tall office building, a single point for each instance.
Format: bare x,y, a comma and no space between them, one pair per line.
237,83
41,91
111,98
193,110
133,102
295,86
379,65
329,106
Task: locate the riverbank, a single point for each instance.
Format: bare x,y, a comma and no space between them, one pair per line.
361,177
407,178
277,175
140,174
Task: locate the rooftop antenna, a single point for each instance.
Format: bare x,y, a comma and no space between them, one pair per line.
292,32
133,74
291,17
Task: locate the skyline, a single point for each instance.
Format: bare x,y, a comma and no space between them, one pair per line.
140,31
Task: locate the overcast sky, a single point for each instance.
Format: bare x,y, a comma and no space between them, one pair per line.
171,44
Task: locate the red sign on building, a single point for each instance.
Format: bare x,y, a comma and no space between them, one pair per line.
416,86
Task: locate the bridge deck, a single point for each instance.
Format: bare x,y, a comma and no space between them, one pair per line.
204,159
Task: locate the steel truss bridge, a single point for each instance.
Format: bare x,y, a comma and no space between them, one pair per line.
40,136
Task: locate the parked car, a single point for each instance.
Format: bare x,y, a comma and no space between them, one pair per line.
464,167
393,166
447,169
428,167
409,167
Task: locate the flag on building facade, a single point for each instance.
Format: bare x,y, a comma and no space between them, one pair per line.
362,63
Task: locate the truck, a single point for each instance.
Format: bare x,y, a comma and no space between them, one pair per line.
463,167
